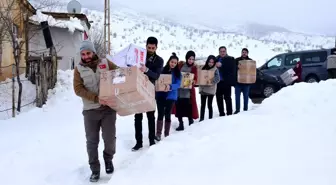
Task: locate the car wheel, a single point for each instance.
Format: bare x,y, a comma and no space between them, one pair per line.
268,91
311,79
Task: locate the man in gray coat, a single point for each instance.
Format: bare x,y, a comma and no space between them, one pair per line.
96,114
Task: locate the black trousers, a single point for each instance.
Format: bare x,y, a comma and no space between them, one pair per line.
164,108
204,99
224,93
138,126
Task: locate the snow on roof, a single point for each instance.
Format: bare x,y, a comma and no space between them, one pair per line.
72,24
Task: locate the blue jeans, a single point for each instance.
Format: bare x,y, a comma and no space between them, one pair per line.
245,89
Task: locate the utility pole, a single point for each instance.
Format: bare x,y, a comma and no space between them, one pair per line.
107,29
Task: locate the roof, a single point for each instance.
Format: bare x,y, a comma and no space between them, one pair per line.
36,23
29,6
62,15
304,51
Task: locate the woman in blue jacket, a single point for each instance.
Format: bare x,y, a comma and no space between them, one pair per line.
165,100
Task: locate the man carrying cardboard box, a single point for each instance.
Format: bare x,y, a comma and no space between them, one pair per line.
153,68
96,114
242,87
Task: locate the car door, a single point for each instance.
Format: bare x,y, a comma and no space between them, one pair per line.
314,65
275,66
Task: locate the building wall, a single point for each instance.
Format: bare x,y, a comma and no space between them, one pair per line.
66,44
7,56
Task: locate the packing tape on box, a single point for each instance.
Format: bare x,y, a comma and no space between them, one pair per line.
125,101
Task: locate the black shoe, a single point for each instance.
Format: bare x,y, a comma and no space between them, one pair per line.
109,168
137,147
94,176
191,121
202,119
158,138
180,127
152,142
236,112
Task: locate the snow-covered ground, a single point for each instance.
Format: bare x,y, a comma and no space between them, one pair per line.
6,92
288,140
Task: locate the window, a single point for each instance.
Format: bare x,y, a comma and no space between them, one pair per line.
314,57
291,60
275,62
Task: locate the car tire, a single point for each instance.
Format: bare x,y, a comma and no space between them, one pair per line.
312,79
268,90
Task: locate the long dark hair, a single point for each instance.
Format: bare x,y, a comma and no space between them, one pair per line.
206,66
175,70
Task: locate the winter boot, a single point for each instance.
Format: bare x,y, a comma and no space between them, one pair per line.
95,176
109,168
159,125
167,128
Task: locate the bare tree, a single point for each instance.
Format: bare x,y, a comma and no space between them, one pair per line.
11,14
97,37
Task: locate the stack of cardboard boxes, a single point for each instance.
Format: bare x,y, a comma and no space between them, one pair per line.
128,85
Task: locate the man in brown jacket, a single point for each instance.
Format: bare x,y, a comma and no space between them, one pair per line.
96,114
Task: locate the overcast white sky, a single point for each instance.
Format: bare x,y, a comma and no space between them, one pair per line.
312,16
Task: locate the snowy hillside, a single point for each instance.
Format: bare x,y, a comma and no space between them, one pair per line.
281,142
131,27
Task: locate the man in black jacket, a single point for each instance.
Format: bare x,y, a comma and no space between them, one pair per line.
240,87
228,74
153,68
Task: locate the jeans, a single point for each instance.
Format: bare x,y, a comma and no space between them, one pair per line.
245,89
204,99
164,109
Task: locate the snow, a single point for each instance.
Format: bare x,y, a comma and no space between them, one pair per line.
281,142
72,24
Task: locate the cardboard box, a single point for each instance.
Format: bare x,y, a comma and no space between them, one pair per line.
132,89
163,83
199,69
247,72
288,76
331,62
205,77
132,55
187,80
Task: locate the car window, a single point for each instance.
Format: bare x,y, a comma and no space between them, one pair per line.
275,62
292,59
314,57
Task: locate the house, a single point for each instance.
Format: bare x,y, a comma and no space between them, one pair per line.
14,15
67,31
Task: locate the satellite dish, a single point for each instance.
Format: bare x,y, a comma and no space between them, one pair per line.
74,7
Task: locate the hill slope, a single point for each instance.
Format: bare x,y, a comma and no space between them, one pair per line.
129,26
